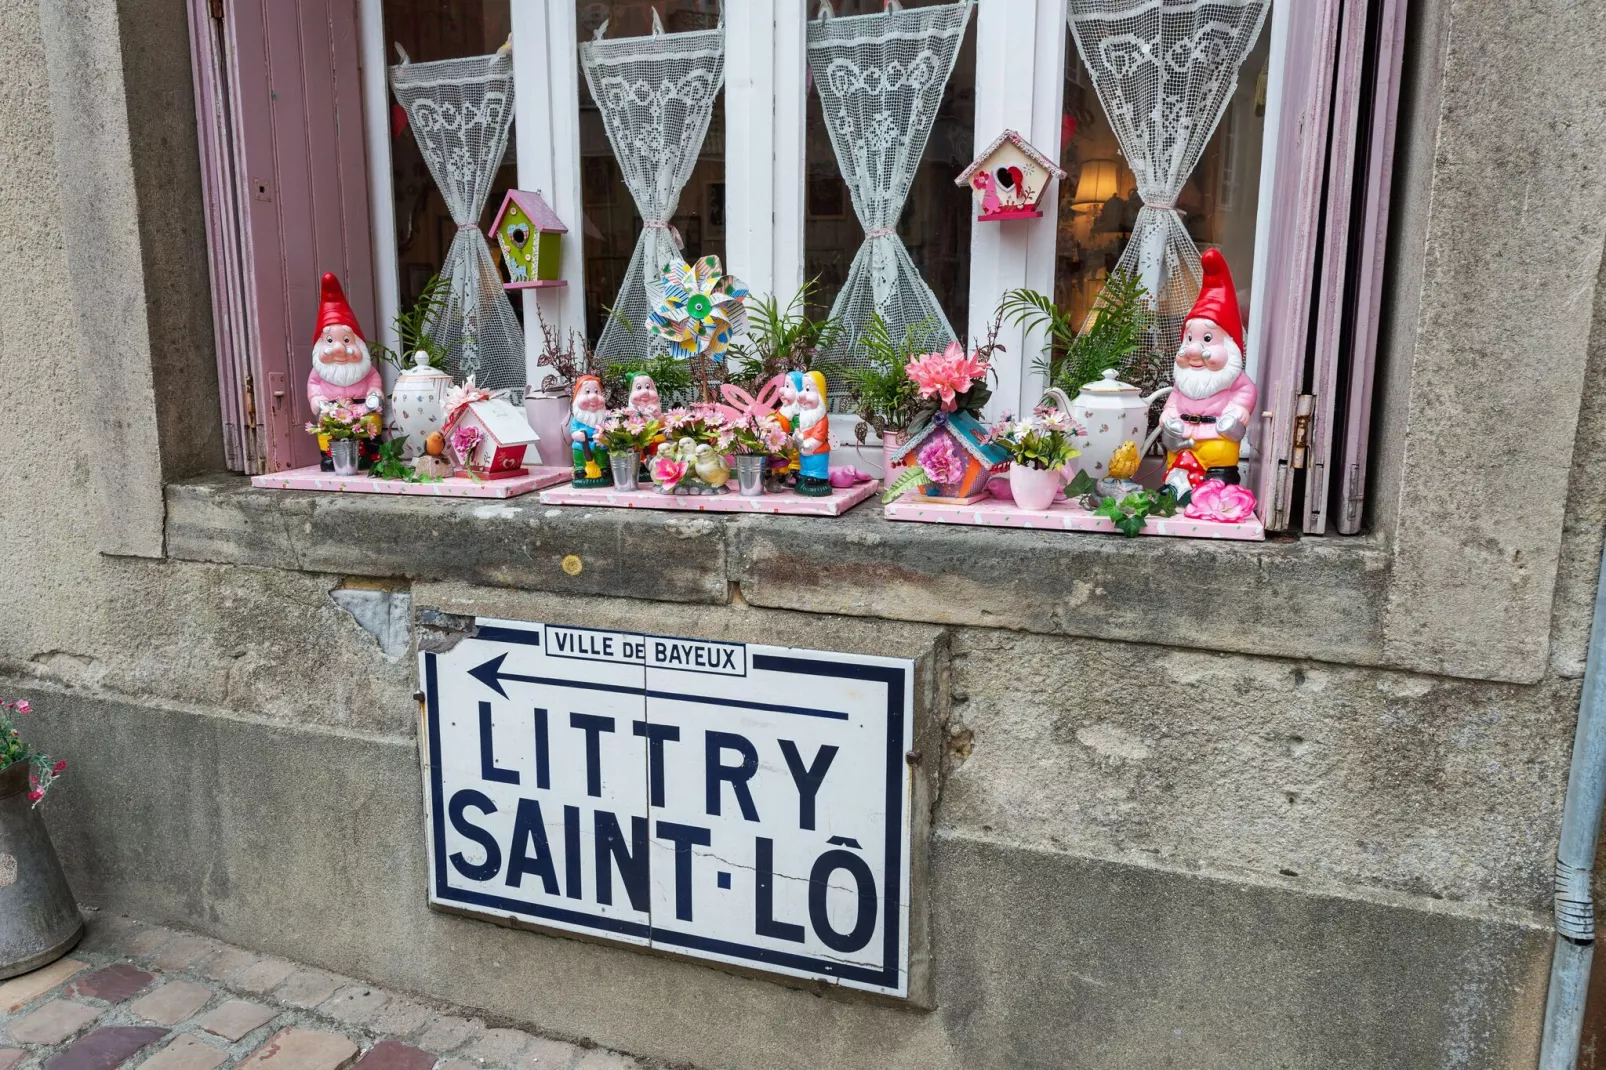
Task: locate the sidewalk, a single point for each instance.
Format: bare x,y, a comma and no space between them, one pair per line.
141,995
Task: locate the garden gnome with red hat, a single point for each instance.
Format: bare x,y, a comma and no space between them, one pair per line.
343,372
342,369
1205,417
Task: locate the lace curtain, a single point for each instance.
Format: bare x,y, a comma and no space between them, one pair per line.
880,78
656,94
1165,71
460,111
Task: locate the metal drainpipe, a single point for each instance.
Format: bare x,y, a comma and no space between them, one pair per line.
1575,858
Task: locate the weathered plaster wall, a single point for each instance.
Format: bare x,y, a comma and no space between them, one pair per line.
1145,854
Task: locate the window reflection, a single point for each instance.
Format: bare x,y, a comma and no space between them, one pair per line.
431,30
935,225
1099,201
612,221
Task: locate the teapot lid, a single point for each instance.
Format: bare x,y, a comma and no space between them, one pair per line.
421,368
1109,384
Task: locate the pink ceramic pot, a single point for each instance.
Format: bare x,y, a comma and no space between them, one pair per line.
889,442
1034,488
549,418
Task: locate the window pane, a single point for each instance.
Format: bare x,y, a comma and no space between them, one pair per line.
612,222
1099,200
935,225
430,30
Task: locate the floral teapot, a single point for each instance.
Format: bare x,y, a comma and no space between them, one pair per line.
1110,412
417,404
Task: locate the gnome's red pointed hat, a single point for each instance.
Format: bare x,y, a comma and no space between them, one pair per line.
333,308
1218,300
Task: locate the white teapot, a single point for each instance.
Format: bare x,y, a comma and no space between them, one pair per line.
417,404
1110,412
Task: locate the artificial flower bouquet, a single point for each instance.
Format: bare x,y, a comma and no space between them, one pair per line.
42,770
1044,441
338,422
692,459
627,431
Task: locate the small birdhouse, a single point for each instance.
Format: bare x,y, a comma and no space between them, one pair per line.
505,437
977,458
1009,178
531,236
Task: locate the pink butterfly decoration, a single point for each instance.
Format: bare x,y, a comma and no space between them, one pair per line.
740,404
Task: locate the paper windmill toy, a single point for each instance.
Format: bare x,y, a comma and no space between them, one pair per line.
701,311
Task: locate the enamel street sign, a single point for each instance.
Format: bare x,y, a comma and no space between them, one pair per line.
731,802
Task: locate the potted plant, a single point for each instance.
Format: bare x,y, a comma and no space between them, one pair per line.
883,396
346,428
39,919
626,435
1039,449
752,441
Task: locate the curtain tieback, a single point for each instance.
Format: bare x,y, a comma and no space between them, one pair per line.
470,225
880,232
1163,206
664,224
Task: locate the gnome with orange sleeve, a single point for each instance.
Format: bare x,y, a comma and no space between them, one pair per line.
343,372
1206,415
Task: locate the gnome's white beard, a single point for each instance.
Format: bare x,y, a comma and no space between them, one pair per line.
1200,383
343,374
590,417
807,418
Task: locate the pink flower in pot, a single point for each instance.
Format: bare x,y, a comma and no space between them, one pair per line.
1222,502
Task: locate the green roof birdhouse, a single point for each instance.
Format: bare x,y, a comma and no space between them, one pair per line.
531,236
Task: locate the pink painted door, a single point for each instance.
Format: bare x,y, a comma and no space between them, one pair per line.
279,93
1355,227
1291,246
1369,244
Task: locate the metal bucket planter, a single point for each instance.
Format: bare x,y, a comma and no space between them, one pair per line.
39,921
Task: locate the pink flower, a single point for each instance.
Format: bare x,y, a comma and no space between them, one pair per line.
941,460
946,374
667,472
465,438
59,768
23,707
1215,500
35,795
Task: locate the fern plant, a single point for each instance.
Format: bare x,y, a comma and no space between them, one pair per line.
883,395
1112,336
412,329
781,338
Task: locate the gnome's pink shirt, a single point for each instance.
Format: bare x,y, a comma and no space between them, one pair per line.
1239,398
319,391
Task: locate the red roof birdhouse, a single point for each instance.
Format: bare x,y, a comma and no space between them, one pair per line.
1009,178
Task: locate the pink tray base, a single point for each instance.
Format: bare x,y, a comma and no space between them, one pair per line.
1065,516
839,502
534,478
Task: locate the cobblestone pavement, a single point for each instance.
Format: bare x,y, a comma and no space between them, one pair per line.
160,999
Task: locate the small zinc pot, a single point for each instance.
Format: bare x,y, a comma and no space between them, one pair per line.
39,920
345,453
750,474
625,465
1034,488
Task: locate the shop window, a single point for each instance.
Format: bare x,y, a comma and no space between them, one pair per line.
612,220
936,219
430,30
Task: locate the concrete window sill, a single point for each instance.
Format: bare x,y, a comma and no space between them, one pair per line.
1310,598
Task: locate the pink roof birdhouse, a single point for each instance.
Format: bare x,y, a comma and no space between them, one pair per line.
1009,178
530,235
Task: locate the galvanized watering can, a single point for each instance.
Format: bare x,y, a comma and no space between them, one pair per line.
39,920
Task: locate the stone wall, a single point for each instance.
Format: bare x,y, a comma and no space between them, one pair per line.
1329,846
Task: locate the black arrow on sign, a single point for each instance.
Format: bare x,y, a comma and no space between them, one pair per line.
491,675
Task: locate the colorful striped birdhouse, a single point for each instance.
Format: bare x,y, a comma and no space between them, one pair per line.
958,460
531,238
